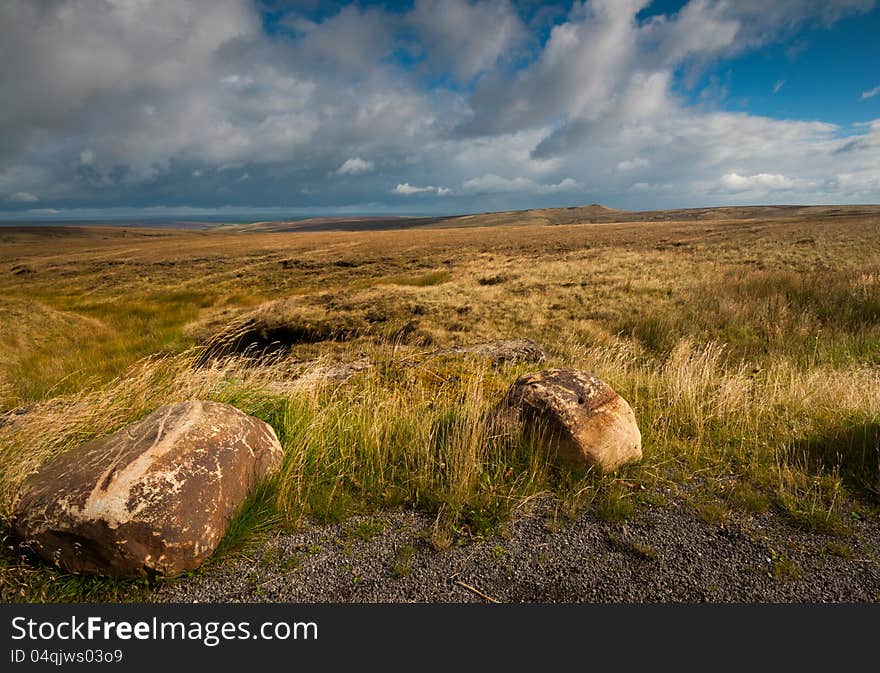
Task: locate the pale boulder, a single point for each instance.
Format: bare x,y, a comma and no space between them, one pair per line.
579,417
153,498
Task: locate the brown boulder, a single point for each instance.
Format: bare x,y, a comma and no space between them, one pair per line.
154,497
576,415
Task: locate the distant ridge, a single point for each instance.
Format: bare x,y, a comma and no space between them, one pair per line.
591,214
342,224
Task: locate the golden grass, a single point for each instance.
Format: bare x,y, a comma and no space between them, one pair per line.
749,352
419,431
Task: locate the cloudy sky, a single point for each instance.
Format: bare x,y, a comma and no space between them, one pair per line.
220,107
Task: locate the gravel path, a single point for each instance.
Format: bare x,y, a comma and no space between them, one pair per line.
662,555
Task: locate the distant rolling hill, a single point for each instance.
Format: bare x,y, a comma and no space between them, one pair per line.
342,224
591,214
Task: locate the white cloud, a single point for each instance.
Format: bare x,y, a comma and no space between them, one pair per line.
700,28
63,58
407,189
735,182
870,93
466,37
111,103
355,166
495,184
352,39
713,27
651,187
634,164
578,74
23,197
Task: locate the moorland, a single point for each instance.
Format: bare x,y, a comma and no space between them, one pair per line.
747,341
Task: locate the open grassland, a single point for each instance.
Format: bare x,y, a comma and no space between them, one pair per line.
748,348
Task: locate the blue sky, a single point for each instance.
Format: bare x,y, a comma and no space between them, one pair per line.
818,74
115,108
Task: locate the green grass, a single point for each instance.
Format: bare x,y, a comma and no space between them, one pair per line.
829,316
255,519
614,504
366,529
423,280
118,334
403,560
839,549
637,548
747,498
785,569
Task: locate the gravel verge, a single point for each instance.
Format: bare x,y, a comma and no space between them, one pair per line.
662,554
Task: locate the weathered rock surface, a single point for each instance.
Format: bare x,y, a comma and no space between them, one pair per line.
154,497
501,350
578,416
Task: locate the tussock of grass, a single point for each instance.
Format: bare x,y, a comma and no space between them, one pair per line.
22,580
830,314
424,280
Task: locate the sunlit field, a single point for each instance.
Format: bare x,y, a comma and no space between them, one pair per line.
749,350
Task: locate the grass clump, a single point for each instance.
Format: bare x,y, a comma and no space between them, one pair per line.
784,568
423,280
403,560
613,504
839,549
747,498
366,529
